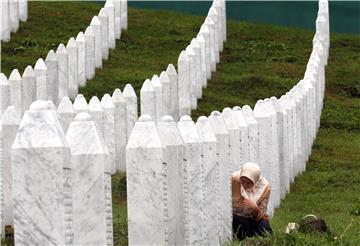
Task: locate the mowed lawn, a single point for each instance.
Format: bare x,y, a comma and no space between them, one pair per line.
258,61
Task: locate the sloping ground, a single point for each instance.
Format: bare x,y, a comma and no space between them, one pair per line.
259,61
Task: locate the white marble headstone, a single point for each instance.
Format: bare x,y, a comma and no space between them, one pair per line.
66,113
81,44
104,20
14,15
166,93
131,108
63,69
204,31
40,71
124,15
211,26
72,50
52,76
173,77
23,10
96,112
253,133
201,40
197,79
156,84
5,27
96,27
90,53
148,99
244,134
4,93
192,76
80,104
16,97
117,5
110,9
214,16
28,87
184,84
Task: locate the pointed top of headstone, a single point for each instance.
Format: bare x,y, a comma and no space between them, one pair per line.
80,104
15,75
167,118
229,119
209,21
239,116
237,108
29,72
71,43
65,106
204,29
89,31
80,37
83,117
212,11
168,131
3,79
215,113
188,130
190,51
185,118
61,49
106,101
147,86
205,130
164,78
194,43
51,56
129,91
248,114
200,37
51,105
183,56
156,81
95,104
109,4
95,21
117,96
217,123
145,118
171,69
10,117
144,134
40,105
258,108
103,12
40,65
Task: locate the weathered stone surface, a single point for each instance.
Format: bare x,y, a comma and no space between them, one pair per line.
197,79
80,104
253,133
28,87
110,9
104,20
81,44
148,99
184,84
117,5
72,50
204,31
192,76
201,40
211,26
156,84
89,53
173,77
40,71
131,108
96,112
214,16
66,113
16,96
63,69
166,93
244,134
96,27
52,83
4,93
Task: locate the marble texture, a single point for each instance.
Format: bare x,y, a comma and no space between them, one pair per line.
23,10
110,10
253,133
166,93
211,26
124,14
174,158
63,69
10,122
234,133
4,93
156,84
66,113
96,27
210,177
173,77
214,16
148,99
96,112
117,6
81,44
218,7
120,129
192,76
109,130
5,27
89,53
244,134
184,84
131,108
146,185
39,155
108,211
223,156
14,15
204,31
88,155
28,87
52,83
72,50
80,105
197,79
16,95
193,183
40,71
224,28
104,21
201,40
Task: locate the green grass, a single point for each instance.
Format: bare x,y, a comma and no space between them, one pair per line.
258,61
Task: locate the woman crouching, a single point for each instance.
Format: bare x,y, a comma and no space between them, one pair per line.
250,196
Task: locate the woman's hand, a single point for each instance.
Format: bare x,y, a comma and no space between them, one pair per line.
249,204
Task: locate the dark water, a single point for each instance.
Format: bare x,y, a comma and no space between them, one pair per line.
344,15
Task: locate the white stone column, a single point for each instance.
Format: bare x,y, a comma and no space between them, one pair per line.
192,76
40,71
66,113
96,112
147,194
5,27
81,44
39,210
223,156
211,26
63,69
89,53
72,50
201,40
109,129
104,20
4,93
120,129
253,133
96,27
224,31
173,78
23,10
148,99
117,5
210,176
218,6
110,9
166,93
10,122
156,84
16,95
124,14
88,155
131,108
52,76
28,87
214,16
80,104
234,133
193,183
197,79
184,84
244,134
204,31
174,158
14,15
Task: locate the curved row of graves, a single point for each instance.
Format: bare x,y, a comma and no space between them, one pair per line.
11,13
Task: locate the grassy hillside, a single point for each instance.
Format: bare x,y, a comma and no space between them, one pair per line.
258,61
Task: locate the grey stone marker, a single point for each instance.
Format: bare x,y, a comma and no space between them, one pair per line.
223,156
4,93
120,129
72,50
80,104
104,20
96,112
173,77
10,122
39,212
52,76
210,173
193,183
63,69
131,108
28,87
40,71
184,85
81,44
16,96
90,53
148,99
110,9
88,155
174,158
156,84
66,113
192,76
96,27
146,193
166,93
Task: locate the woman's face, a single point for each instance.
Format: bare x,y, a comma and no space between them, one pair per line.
246,183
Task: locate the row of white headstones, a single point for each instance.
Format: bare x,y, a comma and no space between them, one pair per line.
114,118
11,13
178,173
64,71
